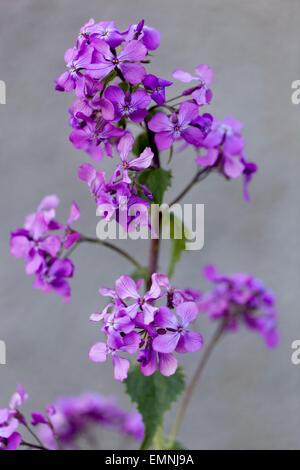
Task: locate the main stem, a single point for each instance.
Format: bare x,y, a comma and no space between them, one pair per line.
190,389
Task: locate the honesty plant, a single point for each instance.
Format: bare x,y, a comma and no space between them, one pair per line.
146,321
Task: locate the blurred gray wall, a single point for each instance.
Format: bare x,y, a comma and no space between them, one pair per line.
248,397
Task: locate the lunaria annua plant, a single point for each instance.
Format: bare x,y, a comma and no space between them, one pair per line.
148,322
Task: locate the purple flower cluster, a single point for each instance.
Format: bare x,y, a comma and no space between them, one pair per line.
138,325
10,419
40,242
224,147
119,196
106,70
241,298
72,416
67,419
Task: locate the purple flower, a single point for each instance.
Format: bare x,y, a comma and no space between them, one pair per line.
241,298
116,343
76,415
177,337
224,144
149,36
105,30
126,288
202,94
104,61
168,129
136,164
157,88
52,277
10,418
92,135
31,242
126,104
77,62
149,358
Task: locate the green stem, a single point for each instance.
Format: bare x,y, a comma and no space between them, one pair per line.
190,389
32,446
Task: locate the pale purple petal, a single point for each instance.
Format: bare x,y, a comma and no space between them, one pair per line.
121,367
209,158
125,145
204,73
190,341
183,76
132,51
166,343
167,364
233,167
160,123
133,73
164,140
98,352
126,288
143,161
187,311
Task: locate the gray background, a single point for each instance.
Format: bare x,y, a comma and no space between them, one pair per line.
248,397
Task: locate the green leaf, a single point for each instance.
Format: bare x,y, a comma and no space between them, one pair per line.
124,86
157,181
140,143
178,239
154,396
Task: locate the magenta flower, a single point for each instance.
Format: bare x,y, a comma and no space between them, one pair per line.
241,298
31,242
136,164
150,359
92,135
105,30
157,87
149,36
124,61
53,277
10,418
126,288
77,62
116,343
201,93
76,415
176,337
224,145
126,104
168,129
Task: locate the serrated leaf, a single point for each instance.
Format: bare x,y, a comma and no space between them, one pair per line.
177,244
157,181
140,143
153,395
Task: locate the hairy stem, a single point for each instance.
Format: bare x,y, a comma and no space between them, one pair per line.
190,389
96,241
199,176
